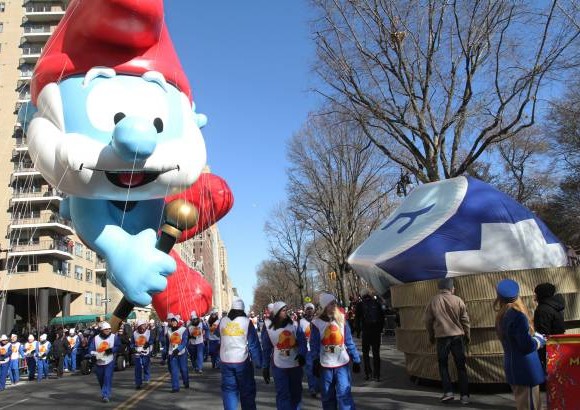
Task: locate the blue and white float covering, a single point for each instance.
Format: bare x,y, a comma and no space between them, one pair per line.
455,227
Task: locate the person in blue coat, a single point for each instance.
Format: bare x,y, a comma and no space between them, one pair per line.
17,353
142,341
240,352
44,348
332,349
70,360
176,342
103,348
523,369
5,352
214,338
285,343
30,349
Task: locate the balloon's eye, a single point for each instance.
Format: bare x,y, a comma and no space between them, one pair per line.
158,123
118,117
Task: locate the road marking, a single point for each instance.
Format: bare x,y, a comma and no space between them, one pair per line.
14,404
141,394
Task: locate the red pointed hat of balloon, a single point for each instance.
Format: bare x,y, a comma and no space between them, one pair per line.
129,36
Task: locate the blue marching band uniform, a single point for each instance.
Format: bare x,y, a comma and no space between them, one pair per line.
176,342
142,346
70,360
5,352
214,339
103,348
30,352
44,348
16,353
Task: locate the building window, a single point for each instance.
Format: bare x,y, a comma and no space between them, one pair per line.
88,298
2,6
89,255
1,27
78,249
98,299
78,272
89,276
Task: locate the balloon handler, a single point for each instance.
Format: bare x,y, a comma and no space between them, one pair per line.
176,342
332,349
195,347
112,124
103,348
141,346
44,348
30,349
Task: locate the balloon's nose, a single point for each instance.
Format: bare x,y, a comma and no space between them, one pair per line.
134,138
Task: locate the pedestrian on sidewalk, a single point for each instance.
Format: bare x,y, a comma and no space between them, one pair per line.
305,324
284,342
371,320
514,327
60,349
447,323
549,314
176,342
332,349
103,348
240,352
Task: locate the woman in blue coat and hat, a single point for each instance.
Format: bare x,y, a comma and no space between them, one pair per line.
515,329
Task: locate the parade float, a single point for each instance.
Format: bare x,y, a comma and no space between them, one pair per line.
465,229
112,124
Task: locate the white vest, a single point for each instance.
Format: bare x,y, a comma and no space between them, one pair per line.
305,325
213,330
285,346
6,351
140,340
175,338
234,339
15,351
29,347
332,350
101,345
196,334
43,348
72,341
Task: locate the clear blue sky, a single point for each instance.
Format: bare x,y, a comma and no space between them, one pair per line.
249,67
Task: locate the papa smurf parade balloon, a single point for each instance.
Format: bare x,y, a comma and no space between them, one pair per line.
455,227
114,127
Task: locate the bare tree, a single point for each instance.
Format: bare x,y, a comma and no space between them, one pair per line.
290,245
436,83
338,187
273,285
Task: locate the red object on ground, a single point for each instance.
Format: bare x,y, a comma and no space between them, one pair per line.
563,368
213,198
186,291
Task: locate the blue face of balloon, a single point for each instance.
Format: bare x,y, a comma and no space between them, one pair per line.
117,137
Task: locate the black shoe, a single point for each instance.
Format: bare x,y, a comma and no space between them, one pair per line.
138,387
377,379
447,397
174,390
367,376
105,399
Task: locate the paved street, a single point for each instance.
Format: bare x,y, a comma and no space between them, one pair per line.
395,392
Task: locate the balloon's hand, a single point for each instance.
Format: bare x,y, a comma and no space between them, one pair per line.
138,269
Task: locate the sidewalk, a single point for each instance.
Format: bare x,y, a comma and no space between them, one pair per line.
397,391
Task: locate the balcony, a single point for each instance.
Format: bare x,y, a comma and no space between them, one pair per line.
48,247
37,32
32,197
25,170
30,55
42,12
45,221
100,266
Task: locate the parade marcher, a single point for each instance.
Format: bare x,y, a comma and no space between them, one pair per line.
305,323
332,348
30,349
141,345
155,332
197,330
285,343
44,348
5,352
176,342
522,366
370,319
17,353
70,361
240,351
268,318
447,323
214,338
254,319
549,314
103,348
162,339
